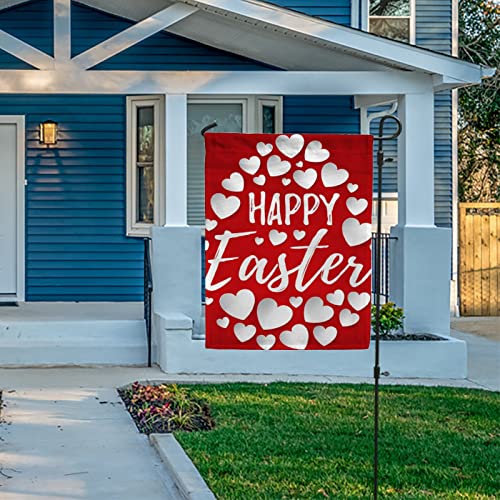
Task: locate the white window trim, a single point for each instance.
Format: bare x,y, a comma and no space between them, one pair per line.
412,17
252,113
134,228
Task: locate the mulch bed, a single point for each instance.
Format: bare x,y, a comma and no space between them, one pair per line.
410,336
165,408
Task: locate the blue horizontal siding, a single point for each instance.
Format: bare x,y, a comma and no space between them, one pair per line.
320,114
336,11
434,31
75,201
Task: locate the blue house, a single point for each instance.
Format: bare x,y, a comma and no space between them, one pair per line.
101,107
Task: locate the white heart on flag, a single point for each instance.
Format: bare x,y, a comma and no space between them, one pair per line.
210,224
325,336
238,305
244,332
347,318
235,183
224,206
290,146
300,164
264,149
297,338
332,176
223,322
355,233
276,166
208,300
336,298
259,240
352,187
356,206
305,178
296,301
315,152
250,165
260,180
286,182
276,237
266,342
271,315
358,300
299,235
316,312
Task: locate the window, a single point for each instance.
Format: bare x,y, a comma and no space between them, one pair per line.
145,119
392,19
232,114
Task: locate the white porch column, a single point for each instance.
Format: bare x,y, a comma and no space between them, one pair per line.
421,256
176,160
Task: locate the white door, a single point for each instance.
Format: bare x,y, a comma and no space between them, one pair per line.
9,194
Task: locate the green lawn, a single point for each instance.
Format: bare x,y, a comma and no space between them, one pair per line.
315,441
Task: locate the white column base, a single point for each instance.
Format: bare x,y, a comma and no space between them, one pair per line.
420,277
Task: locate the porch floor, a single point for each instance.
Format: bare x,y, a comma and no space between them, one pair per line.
72,311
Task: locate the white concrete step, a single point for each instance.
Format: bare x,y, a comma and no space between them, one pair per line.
61,334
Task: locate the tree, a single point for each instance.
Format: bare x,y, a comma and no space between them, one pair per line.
479,106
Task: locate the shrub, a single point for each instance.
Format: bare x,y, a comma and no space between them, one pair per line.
391,318
165,408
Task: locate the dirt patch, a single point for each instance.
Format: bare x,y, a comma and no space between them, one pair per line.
487,327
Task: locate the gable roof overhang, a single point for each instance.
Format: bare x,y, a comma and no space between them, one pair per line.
292,41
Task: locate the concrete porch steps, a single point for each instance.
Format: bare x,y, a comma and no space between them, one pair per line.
72,334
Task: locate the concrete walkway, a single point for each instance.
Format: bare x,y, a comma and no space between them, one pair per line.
66,436
483,359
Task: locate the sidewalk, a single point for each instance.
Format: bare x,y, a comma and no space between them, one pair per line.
63,440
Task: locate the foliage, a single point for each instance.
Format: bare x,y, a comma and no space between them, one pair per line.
284,441
165,408
391,318
479,118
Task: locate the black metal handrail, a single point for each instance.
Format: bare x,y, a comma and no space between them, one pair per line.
148,292
385,242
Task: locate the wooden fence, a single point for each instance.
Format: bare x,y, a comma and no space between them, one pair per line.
479,268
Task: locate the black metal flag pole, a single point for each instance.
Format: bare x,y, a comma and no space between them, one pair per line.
377,270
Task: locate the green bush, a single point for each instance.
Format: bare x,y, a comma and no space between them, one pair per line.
391,318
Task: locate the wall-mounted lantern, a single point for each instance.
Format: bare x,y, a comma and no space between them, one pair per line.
48,132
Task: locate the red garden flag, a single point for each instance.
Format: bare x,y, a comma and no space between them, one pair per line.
288,241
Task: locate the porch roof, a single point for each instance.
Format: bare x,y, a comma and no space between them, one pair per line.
293,41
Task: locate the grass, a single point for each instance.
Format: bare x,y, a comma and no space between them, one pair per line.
281,441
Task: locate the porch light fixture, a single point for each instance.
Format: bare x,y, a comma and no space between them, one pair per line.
48,132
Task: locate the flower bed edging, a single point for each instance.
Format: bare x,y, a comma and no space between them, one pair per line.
180,467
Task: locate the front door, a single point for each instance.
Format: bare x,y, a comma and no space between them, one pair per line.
10,208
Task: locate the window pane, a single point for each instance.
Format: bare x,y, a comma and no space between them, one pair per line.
145,134
145,195
229,118
395,28
268,119
145,165
389,8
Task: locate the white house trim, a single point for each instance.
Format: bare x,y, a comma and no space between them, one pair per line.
214,82
19,121
133,35
268,16
62,30
25,52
